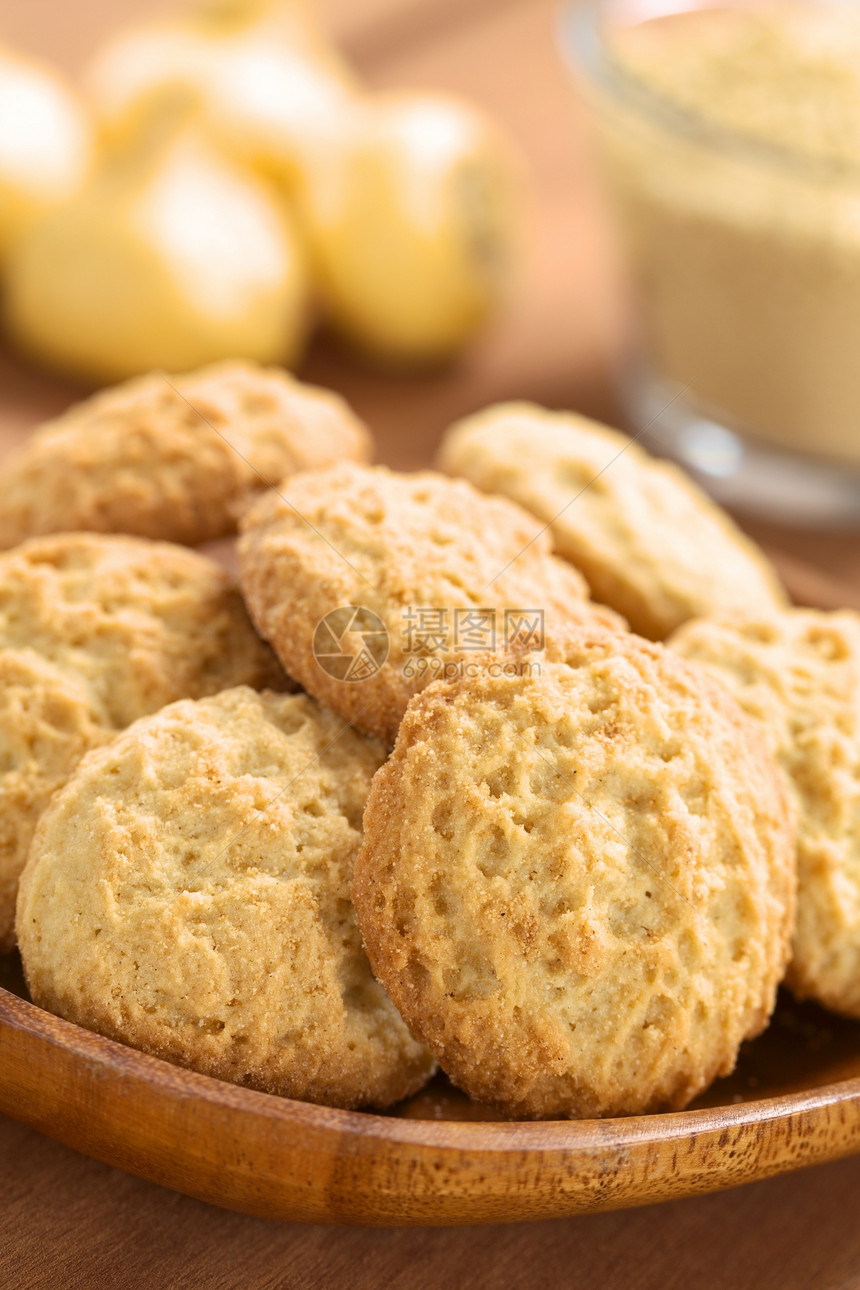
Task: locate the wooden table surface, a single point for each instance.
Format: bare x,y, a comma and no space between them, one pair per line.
71,1222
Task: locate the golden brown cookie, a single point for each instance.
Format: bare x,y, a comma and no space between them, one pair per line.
648,540
187,892
143,623
370,583
798,674
176,457
578,885
95,632
48,720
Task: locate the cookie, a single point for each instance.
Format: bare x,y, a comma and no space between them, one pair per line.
95,632
648,540
176,458
369,583
798,674
578,885
141,622
187,893
47,722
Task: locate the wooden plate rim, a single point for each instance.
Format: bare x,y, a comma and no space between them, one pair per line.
445,1134
278,1158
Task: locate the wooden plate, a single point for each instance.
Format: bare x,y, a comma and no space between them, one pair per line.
439,1159
794,1100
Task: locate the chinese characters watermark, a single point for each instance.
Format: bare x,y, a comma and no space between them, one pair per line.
352,643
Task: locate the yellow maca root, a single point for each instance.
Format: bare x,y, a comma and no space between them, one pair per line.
170,258
411,225
268,85
45,143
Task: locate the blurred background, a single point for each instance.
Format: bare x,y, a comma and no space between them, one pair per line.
560,334
561,327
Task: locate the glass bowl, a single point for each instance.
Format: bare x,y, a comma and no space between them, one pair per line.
745,259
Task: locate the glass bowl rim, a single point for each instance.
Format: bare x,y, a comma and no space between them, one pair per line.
587,55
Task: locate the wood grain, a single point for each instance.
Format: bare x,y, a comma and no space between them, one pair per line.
71,1222
275,1158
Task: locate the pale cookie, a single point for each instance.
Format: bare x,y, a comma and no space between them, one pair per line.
416,571
188,893
143,623
176,458
47,722
798,674
578,885
95,632
648,540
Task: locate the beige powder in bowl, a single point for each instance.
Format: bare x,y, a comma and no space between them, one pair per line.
732,142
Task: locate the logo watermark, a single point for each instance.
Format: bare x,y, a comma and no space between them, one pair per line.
351,643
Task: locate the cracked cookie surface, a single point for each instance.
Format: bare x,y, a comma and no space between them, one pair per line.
96,631
398,547
650,543
188,892
798,675
176,458
578,887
